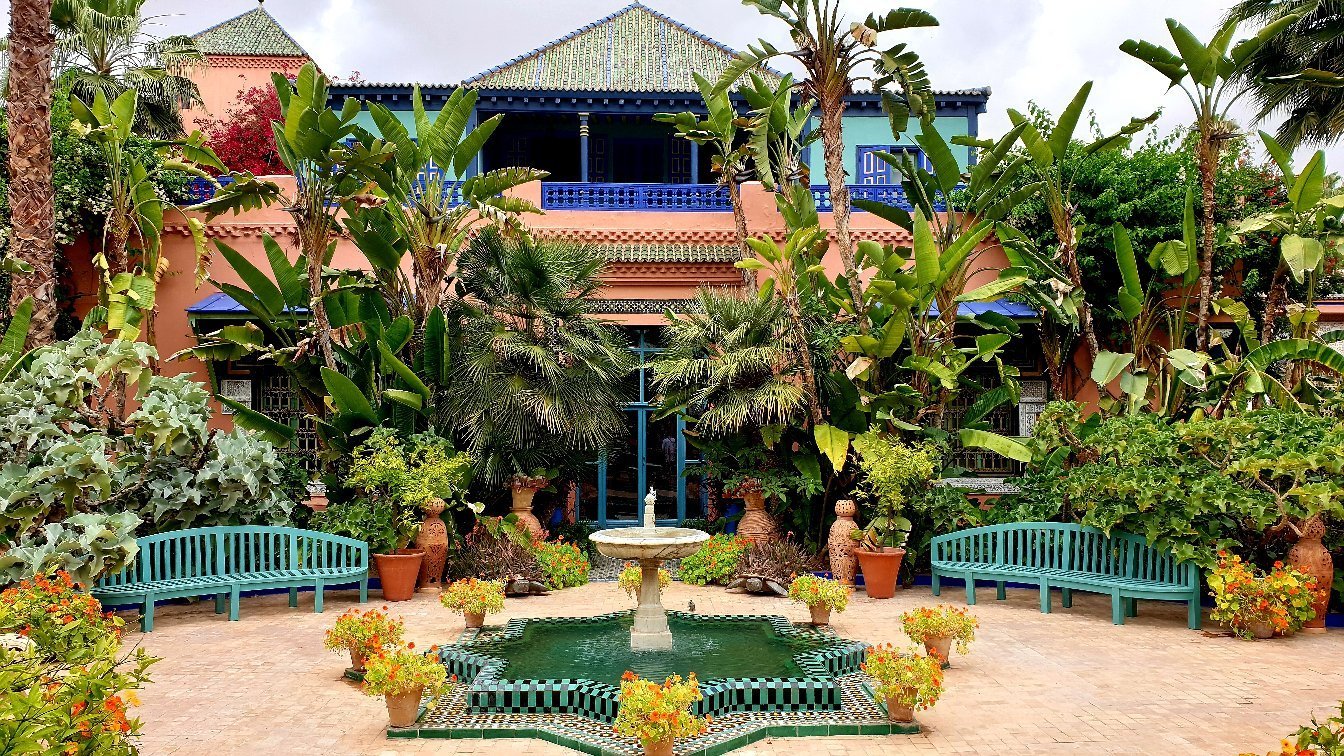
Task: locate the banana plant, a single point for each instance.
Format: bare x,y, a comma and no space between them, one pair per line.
1305,226
338,167
135,212
1211,77
429,214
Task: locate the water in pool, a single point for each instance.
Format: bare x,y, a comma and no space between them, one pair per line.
601,651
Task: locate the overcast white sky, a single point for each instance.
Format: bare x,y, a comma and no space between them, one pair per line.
1038,50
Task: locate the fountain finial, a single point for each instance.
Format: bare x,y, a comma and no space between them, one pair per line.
649,501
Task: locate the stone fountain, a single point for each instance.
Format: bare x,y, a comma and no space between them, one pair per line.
650,546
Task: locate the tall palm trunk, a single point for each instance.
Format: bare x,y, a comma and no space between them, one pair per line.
31,197
803,354
833,144
1207,155
740,229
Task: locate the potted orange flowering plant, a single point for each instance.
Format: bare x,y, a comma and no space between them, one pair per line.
364,634
659,714
1257,605
474,598
403,677
938,628
822,596
906,681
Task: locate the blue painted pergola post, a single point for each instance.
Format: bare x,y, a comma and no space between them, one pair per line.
583,147
477,165
695,163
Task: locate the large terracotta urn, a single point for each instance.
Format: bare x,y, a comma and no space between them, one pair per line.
756,524
1310,556
397,574
433,538
880,569
839,545
524,488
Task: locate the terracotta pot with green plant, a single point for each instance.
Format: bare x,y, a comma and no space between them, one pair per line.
474,598
892,472
939,629
905,681
821,596
399,478
658,714
363,634
524,488
403,677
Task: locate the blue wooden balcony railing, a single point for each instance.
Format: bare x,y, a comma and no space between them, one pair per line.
573,195
200,190
887,194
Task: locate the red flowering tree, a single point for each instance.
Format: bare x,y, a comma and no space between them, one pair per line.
243,139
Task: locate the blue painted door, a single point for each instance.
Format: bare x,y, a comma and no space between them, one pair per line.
871,168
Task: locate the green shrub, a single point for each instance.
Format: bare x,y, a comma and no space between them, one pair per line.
715,562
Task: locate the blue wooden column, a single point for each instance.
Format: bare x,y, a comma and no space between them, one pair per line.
583,147
477,164
695,163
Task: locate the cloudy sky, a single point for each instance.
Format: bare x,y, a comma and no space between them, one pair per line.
1025,50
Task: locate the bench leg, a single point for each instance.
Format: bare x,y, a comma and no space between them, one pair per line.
1045,596
1066,598
1001,591
1118,609
147,617
1195,612
1133,608
970,588
936,581
233,604
317,599
364,591
293,597
220,600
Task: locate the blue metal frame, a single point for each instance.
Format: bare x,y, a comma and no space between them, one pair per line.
643,410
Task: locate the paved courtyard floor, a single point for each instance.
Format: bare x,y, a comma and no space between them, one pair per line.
1067,682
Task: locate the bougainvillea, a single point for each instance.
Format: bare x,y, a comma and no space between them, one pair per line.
243,139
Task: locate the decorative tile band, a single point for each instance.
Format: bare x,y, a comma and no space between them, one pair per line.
471,661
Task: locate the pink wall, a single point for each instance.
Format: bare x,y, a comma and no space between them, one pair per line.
224,76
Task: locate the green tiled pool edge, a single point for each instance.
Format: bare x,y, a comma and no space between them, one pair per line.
815,691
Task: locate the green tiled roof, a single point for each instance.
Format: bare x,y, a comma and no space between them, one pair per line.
672,252
633,50
253,33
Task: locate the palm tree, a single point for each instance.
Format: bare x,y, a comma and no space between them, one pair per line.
537,377
31,197
728,364
107,49
1314,114
834,55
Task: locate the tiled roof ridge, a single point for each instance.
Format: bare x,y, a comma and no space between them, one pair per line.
278,26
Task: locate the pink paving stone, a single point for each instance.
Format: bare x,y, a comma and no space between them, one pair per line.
1066,682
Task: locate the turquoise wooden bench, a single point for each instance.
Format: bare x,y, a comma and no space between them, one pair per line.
1069,557
225,561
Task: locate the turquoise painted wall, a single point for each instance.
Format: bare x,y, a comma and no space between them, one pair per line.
876,129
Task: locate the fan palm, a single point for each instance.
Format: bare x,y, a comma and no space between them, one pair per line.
728,365
537,377
1314,114
107,49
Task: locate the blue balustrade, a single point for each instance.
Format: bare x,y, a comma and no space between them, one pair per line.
574,195
200,189
887,194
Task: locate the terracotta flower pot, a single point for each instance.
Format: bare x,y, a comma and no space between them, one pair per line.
941,646
404,708
1310,556
821,614
879,571
356,660
898,713
660,748
522,506
756,524
419,579
398,573
474,619
1261,629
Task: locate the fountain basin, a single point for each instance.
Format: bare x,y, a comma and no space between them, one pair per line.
648,543
744,662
